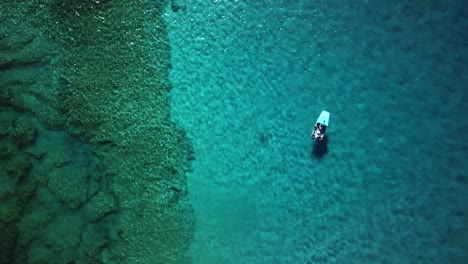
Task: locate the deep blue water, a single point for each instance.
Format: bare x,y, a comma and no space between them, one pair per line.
389,186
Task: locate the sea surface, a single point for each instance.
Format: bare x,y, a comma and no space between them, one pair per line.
178,132
389,183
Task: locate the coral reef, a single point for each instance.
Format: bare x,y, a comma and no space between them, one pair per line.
116,93
23,131
92,168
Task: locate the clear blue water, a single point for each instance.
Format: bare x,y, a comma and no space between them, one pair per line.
389,186
92,170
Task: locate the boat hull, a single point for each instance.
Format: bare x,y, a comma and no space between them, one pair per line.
323,118
320,126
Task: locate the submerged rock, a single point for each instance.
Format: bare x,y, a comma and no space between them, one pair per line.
99,206
23,131
68,184
15,164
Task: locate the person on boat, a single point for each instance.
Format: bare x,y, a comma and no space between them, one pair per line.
319,130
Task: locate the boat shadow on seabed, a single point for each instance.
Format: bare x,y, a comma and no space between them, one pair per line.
320,148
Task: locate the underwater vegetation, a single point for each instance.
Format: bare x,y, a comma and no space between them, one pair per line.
92,168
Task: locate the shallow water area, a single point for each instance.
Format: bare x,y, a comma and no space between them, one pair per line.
249,81
91,166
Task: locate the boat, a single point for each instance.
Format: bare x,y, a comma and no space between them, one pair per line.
320,126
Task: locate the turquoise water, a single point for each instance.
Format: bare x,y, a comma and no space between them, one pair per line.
178,131
389,186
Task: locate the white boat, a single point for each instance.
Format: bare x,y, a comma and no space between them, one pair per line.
320,126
